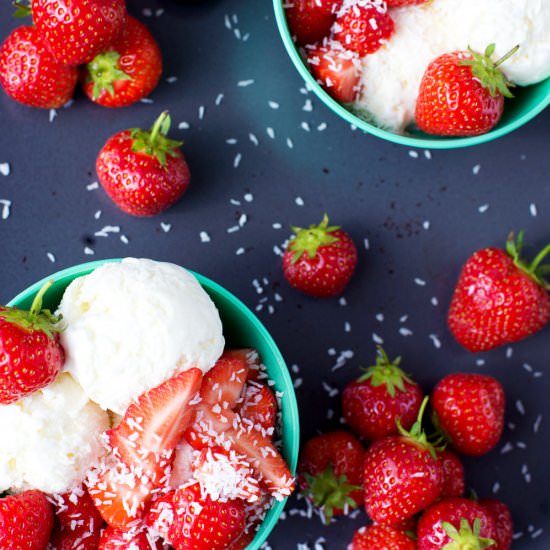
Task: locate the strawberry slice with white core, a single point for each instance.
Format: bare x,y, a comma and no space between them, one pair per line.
182,465
224,382
336,69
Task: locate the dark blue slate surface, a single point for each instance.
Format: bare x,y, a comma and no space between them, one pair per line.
378,191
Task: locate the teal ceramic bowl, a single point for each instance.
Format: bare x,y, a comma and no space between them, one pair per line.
241,329
528,103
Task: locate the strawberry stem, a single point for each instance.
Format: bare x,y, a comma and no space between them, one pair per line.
506,56
36,306
416,433
536,271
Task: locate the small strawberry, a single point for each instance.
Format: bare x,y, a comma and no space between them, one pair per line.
202,523
363,26
381,537
258,406
77,31
453,474
127,71
310,20
402,475
462,93
384,393
26,521
143,172
456,523
469,410
30,74
336,69
320,260
31,354
499,299
503,522
124,539
331,472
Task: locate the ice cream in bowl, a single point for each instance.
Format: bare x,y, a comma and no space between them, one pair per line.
401,69
172,419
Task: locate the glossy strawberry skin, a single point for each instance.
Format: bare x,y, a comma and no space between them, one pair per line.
452,102
363,28
310,21
381,537
502,517
77,31
29,360
469,410
140,59
31,75
453,474
401,478
137,183
26,521
328,273
432,536
495,303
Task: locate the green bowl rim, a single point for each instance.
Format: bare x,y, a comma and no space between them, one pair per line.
427,143
291,411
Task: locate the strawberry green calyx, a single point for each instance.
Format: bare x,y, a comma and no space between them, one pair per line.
22,9
36,318
154,142
535,270
330,492
103,71
488,71
416,433
309,240
466,538
386,372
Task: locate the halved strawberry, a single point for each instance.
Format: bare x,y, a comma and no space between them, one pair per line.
259,407
182,465
223,383
252,358
336,69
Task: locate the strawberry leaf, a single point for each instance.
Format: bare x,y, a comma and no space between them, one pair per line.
307,241
103,71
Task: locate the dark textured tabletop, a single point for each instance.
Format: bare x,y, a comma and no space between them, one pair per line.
266,154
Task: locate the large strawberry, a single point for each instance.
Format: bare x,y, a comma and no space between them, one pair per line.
330,473
402,476
499,298
382,395
456,523
26,521
127,71
469,410
381,537
143,172
310,20
363,26
77,31
336,69
502,517
30,74
462,93
31,354
320,260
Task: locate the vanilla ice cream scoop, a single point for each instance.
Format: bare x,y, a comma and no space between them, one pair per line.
131,325
50,438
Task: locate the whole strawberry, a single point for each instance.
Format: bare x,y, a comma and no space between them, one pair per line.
330,472
503,522
320,260
30,74
128,71
383,394
402,475
77,31
456,523
363,26
462,93
143,172
499,299
310,20
26,521
453,474
381,537
31,354
469,410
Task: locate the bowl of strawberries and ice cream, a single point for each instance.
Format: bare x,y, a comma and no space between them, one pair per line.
427,73
158,413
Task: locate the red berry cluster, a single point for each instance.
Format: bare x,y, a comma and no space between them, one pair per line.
411,486
114,56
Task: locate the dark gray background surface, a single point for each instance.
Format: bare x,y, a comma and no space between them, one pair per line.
414,216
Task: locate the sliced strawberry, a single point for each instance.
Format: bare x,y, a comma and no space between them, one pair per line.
252,358
182,465
152,426
223,383
310,20
336,69
161,515
259,407
128,539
